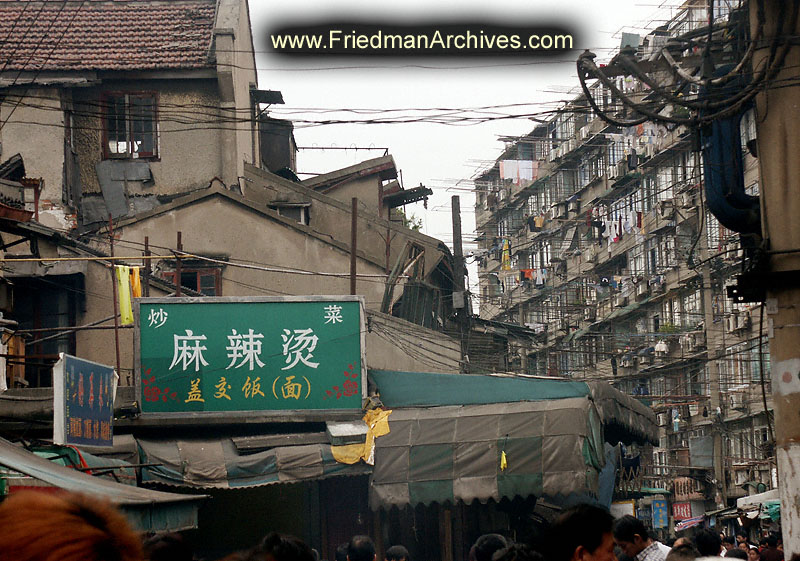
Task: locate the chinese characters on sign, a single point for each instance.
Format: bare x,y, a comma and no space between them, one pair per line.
217,354
84,402
681,511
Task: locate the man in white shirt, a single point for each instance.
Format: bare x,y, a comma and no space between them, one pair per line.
632,537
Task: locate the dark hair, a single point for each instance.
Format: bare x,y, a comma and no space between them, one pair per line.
772,540
683,552
285,548
627,527
487,544
341,552
707,542
583,525
729,540
517,552
396,553
737,553
361,548
167,547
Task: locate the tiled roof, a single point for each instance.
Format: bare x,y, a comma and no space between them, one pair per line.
105,35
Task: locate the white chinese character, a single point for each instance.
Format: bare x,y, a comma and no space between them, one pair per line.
244,347
333,314
157,316
295,343
186,354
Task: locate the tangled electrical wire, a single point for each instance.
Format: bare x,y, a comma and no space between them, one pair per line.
719,97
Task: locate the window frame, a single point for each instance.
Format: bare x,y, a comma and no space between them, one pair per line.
105,99
216,272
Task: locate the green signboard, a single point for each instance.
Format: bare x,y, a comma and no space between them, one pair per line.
250,354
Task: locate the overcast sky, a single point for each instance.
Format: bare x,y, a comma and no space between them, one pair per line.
442,157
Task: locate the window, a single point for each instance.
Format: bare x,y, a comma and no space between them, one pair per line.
130,129
297,212
207,281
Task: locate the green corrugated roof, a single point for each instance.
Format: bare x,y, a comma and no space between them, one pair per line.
414,389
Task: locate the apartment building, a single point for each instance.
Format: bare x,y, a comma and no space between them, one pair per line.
599,239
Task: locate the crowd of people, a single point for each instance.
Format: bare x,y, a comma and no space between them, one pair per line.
71,527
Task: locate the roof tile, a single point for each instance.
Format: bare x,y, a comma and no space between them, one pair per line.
105,35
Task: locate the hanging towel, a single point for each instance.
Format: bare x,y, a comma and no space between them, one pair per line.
123,278
136,283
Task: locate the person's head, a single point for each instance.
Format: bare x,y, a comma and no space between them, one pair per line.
631,535
728,542
341,552
582,533
683,540
741,537
683,552
280,547
397,553
736,553
361,548
517,552
744,546
167,547
707,542
753,554
772,540
66,526
487,544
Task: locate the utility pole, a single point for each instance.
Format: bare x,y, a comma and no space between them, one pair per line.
778,122
460,303
353,242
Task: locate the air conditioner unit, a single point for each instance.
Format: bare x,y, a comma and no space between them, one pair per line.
622,167
730,323
611,172
626,362
571,145
743,320
665,209
657,287
589,313
553,155
574,205
687,200
620,300
584,133
663,419
560,210
642,289
737,400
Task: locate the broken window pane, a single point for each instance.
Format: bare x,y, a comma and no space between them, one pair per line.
131,126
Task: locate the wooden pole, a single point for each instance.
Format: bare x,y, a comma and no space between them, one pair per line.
147,269
353,243
114,293
178,268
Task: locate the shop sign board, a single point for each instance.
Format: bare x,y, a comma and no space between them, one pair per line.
83,402
660,514
681,511
237,355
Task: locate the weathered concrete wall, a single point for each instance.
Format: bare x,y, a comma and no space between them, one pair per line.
366,189
332,217
244,235
235,72
396,344
36,131
189,151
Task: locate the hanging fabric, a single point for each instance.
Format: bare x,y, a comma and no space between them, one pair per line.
136,283
122,275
